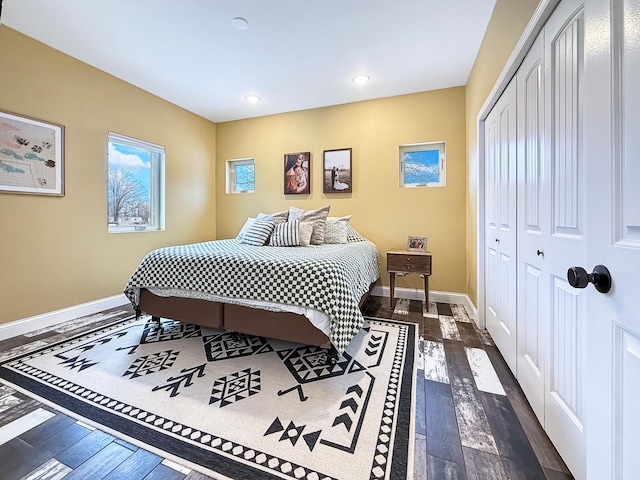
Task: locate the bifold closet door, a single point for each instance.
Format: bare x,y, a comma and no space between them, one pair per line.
565,245
533,230
500,226
613,160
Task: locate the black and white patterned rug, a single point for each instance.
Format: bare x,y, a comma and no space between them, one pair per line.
242,407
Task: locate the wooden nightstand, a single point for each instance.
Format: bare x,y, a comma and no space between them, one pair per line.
405,261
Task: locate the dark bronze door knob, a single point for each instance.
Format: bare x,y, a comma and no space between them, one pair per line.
579,278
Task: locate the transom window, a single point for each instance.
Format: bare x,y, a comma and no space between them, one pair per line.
422,165
241,175
135,185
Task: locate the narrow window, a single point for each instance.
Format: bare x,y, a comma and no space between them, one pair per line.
241,175
422,165
135,185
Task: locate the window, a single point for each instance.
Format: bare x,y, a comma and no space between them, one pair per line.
241,175
135,185
422,165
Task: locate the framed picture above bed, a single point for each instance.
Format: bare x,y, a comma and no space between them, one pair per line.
337,171
297,173
31,156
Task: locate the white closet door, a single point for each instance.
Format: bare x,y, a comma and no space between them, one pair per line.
500,227
533,230
612,149
565,245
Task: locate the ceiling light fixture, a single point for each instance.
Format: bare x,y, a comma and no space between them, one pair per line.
361,79
252,98
240,23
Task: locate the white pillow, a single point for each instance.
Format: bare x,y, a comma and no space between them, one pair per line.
305,231
248,222
285,234
336,229
258,233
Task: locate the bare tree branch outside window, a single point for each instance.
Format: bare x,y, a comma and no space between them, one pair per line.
127,197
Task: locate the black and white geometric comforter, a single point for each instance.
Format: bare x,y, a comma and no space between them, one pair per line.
331,277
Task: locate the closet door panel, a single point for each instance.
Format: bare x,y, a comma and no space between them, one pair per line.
533,227
566,244
500,227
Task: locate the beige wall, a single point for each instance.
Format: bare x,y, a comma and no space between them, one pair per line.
509,19
383,212
56,252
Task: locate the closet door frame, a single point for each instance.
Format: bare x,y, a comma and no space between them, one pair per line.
528,37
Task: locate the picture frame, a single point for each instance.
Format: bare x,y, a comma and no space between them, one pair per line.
31,156
297,173
417,244
337,171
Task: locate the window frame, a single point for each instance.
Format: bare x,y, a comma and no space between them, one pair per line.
231,176
423,146
156,184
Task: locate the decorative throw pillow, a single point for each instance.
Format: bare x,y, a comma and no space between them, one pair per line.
318,217
285,234
336,229
258,233
305,231
274,217
248,222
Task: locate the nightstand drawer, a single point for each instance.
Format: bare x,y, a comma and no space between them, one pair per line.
398,262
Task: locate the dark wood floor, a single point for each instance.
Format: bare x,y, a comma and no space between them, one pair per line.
472,419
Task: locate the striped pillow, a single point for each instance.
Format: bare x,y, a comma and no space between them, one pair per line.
286,234
258,233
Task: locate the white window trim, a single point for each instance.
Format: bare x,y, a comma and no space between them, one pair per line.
230,174
415,147
157,193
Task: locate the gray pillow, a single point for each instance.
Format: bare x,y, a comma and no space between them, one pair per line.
318,217
274,217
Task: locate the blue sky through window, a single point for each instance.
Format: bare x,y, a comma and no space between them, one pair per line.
422,166
132,159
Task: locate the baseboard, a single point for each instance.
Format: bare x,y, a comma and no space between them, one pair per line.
20,327
434,296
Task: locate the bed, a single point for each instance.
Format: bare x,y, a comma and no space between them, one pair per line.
305,294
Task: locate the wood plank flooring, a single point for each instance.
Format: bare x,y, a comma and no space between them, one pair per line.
472,419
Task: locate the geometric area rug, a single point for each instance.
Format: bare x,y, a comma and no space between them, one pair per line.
238,406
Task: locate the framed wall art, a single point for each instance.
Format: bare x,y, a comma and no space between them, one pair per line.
338,171
31,156
297,173
417,244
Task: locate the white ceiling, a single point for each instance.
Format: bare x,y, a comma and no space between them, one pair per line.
295,54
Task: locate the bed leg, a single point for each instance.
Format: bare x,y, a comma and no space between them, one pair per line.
138,313
333,356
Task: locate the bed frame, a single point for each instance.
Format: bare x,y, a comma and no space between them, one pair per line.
236,318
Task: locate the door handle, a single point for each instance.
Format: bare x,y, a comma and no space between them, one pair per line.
540,253
579,278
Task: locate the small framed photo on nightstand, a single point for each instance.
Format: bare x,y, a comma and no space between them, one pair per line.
417,244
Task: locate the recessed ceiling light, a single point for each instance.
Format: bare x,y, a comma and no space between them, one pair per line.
252,98
361,78
240,23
